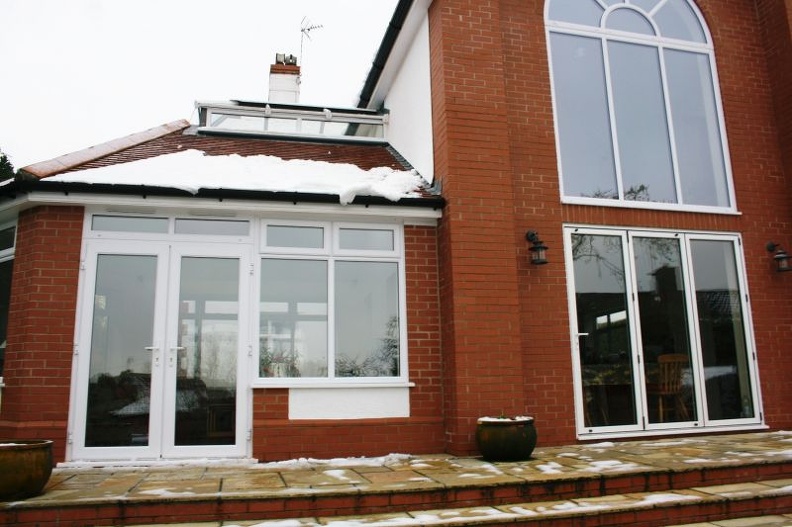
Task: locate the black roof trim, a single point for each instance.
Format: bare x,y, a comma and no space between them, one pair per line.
298,107
21,187
205,130
386,46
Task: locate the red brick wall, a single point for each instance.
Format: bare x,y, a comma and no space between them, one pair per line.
275,437
496,159
41,325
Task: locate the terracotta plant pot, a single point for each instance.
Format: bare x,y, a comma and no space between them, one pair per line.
506,439
25,467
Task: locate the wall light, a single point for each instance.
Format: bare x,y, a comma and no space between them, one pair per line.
780,256
538,249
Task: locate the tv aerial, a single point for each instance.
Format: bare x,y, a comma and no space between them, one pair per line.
306,26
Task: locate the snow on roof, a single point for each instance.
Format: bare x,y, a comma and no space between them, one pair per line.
192,170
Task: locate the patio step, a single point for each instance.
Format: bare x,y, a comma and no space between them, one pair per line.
645,483
647,509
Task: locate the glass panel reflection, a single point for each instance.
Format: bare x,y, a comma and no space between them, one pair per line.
698,140
664,330
206,356
119,380
367,319
676,19
586,150
293,325
641,123
721,324
586,12
604,326
366,239
629,20
294,236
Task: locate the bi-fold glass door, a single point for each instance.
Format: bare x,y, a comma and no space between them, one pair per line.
661,337
159,351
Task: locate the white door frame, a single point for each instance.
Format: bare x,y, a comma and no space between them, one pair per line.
161,437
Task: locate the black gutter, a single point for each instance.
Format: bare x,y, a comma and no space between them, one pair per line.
386,46
21,187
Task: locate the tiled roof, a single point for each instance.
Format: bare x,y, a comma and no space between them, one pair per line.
79,159
180,136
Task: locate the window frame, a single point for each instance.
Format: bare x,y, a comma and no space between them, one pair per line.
7,254
703,423
661,44
332,253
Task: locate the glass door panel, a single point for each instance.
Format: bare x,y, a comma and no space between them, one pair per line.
119,378
665,340
206,352
160,379
604,331
722,332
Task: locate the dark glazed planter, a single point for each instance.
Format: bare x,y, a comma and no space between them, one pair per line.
25,467
506,439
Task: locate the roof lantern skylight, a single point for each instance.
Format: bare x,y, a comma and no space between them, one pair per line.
291,120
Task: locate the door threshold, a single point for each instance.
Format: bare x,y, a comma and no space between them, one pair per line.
164,463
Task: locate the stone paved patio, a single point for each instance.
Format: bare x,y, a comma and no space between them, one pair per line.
85,485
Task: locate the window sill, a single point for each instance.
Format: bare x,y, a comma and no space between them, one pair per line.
329,384
648,205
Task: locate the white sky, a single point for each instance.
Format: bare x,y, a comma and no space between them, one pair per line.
81,72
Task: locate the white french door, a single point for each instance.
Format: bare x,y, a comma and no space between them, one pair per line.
660,331
160,351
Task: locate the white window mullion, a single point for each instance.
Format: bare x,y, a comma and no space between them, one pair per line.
670,124
331,319
694,334
634,321
612,115
656,8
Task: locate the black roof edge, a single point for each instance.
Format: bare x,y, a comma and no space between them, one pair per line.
21,187
292,106
202,130
386,46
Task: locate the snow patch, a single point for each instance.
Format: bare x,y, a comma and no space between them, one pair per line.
193,170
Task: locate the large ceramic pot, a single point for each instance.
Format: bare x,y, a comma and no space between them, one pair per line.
25,467
506,439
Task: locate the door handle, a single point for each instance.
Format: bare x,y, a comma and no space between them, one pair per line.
172,355
155,357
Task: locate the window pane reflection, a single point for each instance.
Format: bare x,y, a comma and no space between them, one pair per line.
604,326
664,330
641,123
293,324
698,140
723,340
119,389
206,362
367,319
587,161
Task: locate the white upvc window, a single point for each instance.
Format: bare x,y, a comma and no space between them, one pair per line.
642,301
7,247
638,114
331,303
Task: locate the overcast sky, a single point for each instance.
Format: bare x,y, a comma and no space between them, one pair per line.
81,72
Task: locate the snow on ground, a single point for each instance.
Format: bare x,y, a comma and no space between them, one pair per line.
192,170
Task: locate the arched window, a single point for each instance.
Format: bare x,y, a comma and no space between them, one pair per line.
638,117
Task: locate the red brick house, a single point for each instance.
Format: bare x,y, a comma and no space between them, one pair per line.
644,143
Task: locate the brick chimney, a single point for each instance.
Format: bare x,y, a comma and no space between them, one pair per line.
284,80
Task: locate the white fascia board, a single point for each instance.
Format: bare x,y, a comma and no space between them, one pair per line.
418,12
409,215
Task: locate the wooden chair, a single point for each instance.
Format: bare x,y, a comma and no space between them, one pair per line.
669,387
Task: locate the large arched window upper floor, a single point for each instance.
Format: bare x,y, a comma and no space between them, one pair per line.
637,105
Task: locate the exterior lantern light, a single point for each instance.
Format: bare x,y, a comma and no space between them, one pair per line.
780,256
538,249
